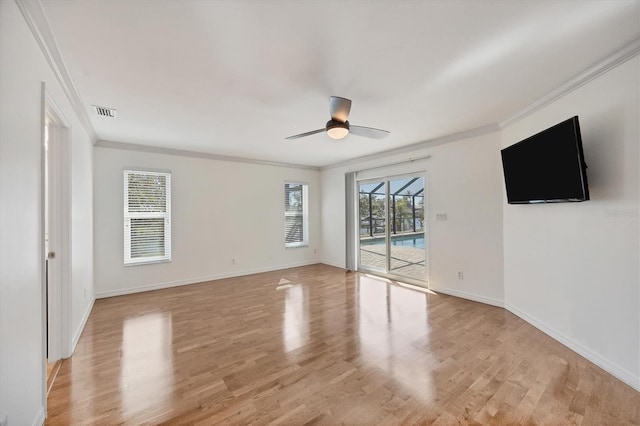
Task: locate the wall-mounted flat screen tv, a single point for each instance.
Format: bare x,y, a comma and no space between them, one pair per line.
547,167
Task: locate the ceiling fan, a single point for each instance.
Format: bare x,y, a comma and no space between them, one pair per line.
338,127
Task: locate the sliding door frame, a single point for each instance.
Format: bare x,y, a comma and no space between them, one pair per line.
387,273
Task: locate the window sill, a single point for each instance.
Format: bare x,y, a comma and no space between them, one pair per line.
150,262
297,246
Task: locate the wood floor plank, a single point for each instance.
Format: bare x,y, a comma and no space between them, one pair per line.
329,347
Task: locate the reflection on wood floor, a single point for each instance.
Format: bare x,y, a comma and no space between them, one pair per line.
317,344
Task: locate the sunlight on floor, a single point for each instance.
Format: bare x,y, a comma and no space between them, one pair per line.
295,323
392,320
146,374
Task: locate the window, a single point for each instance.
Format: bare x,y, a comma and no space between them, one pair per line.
296,226
147,217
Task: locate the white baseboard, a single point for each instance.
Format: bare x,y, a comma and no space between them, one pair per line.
328,262
616,371
169,284
40,417
80,329
469,296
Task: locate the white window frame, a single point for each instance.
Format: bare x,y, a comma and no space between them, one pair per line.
166,215
305,215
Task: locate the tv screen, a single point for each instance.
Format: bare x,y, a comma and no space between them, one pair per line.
547,167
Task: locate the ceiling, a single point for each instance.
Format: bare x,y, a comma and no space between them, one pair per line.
236,77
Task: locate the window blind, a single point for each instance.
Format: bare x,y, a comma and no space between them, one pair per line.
147,217
295,215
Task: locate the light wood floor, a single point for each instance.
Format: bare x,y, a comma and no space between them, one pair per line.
326,347
52,372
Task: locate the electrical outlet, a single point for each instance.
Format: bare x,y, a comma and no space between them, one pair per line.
233,261
460,275
315,251
85,293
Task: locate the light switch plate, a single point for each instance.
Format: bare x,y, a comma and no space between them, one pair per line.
441,217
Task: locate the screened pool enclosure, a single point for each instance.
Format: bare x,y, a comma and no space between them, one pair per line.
392,210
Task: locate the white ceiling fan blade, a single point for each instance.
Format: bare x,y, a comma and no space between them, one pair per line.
302,135
368,132
339,108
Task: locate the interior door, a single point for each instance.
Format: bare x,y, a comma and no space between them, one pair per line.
52,241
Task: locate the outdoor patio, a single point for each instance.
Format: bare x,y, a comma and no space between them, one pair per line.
405,261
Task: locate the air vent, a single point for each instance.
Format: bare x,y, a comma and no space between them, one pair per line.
105,112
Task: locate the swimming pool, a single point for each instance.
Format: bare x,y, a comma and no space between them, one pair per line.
416,241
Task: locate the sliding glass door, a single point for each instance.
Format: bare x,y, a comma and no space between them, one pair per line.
392,226
406,209
373,225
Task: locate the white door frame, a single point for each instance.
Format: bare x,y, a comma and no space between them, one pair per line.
59,294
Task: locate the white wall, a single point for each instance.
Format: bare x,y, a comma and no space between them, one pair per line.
22,69
572,269
82,287
220,211
464,181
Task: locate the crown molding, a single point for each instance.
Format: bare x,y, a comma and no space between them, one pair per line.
471,133
34,15
196,154
618,57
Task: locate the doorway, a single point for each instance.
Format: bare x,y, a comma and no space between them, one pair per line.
56,238
391,239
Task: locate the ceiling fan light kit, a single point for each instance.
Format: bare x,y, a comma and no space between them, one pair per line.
337,130
338,127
